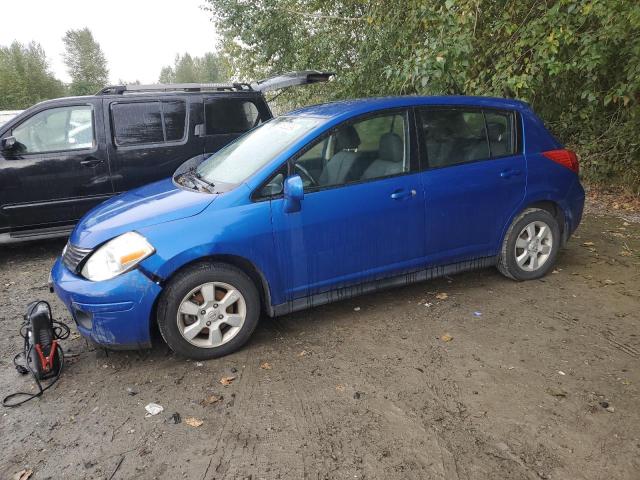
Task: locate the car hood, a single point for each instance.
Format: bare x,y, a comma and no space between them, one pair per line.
136,209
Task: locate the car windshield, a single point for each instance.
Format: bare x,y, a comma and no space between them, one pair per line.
242,158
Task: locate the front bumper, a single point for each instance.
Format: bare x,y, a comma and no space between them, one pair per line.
114,313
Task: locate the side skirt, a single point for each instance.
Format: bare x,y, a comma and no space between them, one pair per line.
375,285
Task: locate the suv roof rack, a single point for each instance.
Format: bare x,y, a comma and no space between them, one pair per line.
176,87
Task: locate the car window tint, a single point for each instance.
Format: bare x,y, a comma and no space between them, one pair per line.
453,136
230,115
175,113
137,123
57,129
500,132
363,150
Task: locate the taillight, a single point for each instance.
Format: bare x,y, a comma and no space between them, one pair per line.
564,157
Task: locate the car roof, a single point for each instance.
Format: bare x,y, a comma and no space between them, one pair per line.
348,108
139,95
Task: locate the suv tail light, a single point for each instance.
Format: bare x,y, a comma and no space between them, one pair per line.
566,158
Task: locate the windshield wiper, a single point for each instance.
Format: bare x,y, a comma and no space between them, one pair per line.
204,180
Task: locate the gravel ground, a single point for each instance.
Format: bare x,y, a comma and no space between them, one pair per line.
493,380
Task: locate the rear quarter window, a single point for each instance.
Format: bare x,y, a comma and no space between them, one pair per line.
230,115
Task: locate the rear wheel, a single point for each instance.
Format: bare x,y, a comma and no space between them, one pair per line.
208,311
531,245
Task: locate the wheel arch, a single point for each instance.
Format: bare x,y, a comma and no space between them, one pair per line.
551,206
241,263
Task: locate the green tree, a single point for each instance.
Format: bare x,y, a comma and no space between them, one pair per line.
209,68
25,77
576,61
85,61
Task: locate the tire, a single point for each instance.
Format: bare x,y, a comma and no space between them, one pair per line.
516,257
196,305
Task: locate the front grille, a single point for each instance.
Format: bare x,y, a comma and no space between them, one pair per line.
73,256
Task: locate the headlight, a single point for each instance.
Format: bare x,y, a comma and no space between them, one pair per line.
117,256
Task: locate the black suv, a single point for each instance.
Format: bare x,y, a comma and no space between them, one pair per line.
61,157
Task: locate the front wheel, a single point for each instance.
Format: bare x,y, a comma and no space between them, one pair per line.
531,245
208,311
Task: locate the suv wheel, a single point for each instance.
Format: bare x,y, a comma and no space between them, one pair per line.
208,311
531,245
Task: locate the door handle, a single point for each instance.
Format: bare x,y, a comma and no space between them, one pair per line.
508,173
90,162
402,194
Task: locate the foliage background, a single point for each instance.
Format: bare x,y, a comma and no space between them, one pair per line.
576,61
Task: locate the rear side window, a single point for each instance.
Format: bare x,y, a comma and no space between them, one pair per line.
139,123
230,115
453,136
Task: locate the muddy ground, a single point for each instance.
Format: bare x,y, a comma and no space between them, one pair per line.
365,388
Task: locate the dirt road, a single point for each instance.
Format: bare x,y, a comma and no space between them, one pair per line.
365,388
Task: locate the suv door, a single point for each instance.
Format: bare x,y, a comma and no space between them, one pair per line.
58,167
226,117
362,218
474,182
149,138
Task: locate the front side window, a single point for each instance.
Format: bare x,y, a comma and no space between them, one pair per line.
242,158
230,115
139,123
455,135
371,148
57,129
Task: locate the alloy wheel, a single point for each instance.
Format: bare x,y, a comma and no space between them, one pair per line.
211,314
533,246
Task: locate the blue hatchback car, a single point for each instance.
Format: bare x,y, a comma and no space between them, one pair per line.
321,204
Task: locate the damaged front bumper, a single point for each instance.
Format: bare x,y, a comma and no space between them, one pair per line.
115,313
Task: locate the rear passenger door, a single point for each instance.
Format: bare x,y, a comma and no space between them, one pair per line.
474,179
149,138
226,117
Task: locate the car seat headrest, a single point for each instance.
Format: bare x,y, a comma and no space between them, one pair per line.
391,148
347,138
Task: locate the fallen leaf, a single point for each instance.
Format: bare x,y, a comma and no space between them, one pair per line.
227,380
340,388
265,366
556,392
588,244
193,421
442,296
23,474
446,337
210,400
303,353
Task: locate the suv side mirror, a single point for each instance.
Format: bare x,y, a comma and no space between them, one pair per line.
9,143
293,194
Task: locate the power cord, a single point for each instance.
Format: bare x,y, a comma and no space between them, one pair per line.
60,332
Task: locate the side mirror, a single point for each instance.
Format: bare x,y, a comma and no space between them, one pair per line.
9,143
293,194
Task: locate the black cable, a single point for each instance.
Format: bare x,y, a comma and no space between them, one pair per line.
60,332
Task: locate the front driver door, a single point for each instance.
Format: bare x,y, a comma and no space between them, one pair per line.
57,170
362,219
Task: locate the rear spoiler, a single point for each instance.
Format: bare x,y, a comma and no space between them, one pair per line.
291,79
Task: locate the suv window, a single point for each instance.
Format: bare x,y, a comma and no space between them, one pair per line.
375,147
57,129
138,123
230,115
456,135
